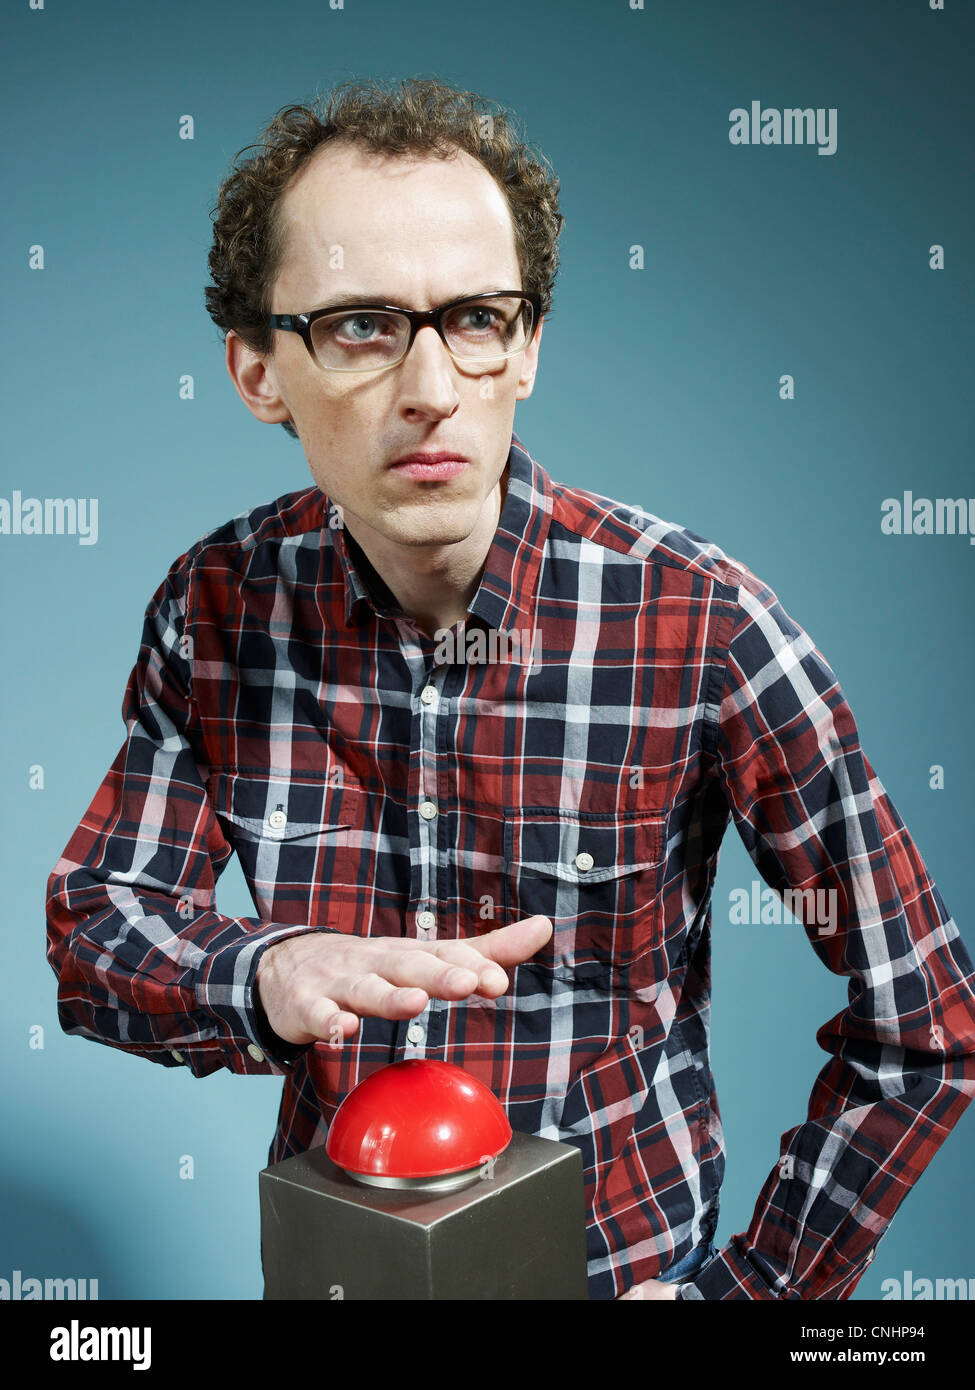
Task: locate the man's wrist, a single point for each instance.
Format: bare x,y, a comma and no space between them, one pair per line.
266,1038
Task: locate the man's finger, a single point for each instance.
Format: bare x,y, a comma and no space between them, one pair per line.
371,995
515,943
327,1022
445,969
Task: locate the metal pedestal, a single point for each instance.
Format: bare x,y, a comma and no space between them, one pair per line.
517,1231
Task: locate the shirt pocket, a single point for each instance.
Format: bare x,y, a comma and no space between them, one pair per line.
596,875
293,840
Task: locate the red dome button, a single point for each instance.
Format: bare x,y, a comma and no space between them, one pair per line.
421,1123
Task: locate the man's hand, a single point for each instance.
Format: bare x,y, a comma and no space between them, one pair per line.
651,1288
319,985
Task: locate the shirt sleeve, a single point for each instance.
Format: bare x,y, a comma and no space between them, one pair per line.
812,813
144,961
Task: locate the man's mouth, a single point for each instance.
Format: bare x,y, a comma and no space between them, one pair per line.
431,465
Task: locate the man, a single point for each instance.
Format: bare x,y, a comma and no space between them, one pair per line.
476,737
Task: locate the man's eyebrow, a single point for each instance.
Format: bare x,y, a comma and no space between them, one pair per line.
353,298
341,300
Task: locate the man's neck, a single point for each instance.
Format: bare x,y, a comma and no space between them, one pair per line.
435,585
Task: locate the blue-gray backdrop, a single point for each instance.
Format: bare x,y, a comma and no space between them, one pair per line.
760,261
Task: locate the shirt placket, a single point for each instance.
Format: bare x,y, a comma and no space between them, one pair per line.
428,703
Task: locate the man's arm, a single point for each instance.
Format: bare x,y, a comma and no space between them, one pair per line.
144,961
813,814
147,964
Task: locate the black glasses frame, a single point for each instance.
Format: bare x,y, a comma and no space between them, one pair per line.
418,318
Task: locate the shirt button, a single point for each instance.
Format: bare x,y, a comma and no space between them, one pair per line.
427,810
428,694
177,1056
277,820
255,1052
871,1255
416,1032
584,861
426,921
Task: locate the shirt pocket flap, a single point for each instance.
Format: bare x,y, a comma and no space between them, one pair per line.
582,847
597,877
264,809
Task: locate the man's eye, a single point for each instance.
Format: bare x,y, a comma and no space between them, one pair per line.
481,317
360,328
356,329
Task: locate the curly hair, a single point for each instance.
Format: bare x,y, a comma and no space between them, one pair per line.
423,116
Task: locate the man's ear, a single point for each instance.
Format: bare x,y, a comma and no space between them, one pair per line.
254,377
529,364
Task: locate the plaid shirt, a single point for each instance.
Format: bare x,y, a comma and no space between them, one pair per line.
641,690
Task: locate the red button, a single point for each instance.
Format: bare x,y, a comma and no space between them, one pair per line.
417,1119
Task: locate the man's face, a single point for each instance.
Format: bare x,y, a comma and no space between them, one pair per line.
414,233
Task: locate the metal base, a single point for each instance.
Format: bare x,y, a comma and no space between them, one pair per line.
518,1231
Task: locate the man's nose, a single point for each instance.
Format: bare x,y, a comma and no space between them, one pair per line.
427,376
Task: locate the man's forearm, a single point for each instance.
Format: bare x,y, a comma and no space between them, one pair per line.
134,973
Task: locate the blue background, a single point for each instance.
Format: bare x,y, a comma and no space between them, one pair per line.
657,387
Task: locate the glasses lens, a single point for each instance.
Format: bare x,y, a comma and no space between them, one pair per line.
360,341
486,328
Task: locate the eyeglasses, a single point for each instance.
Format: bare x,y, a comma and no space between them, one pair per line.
370,337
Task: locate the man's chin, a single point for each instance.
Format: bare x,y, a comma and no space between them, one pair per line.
433,521
429,533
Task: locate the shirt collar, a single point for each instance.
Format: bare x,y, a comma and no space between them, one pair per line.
505,598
